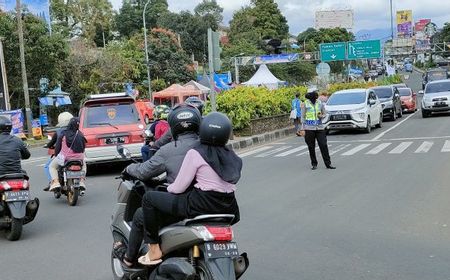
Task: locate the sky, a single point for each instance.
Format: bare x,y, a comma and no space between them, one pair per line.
369,14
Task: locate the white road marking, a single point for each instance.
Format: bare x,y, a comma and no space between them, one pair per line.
446,148
273,151
425,147
41,165
392,128
378,149
356,149
339,148
292,151
249,153
307,152
401,148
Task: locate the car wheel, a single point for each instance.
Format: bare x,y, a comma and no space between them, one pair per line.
425,114
368,128
380,122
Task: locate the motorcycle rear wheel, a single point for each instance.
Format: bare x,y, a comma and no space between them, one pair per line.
203,272
72,196
14,232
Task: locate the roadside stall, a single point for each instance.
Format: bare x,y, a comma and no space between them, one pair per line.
176,94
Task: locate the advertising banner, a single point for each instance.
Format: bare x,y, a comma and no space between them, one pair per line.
420,25
39,8
404,23
276,58
17,119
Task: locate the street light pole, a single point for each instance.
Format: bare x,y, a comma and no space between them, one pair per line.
24,69
236,70
392,21
146,51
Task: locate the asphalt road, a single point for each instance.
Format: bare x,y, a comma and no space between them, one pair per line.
383,214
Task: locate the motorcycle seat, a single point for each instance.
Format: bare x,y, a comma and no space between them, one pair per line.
14,176
213,218
73,162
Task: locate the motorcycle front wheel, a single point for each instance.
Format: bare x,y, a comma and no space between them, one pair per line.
14,232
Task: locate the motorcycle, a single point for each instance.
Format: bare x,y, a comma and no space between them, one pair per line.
16,208
198,248
69,176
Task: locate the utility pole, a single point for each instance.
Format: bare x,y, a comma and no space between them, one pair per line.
24,69
236,69
146,51
392,22
211,71
4,77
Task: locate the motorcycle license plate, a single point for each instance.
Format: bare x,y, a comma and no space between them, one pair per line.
17,196
74,174
216,250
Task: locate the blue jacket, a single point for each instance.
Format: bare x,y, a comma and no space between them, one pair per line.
296,105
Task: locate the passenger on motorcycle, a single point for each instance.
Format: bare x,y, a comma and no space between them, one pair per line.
213,168
63,122
184,121
158,129
12,149
69,146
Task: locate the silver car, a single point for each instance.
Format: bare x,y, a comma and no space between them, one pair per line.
436,97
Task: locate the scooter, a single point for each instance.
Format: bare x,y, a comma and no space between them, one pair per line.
16,208
198,248
69,176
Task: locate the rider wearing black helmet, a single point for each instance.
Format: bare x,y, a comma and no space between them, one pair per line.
12,149
184,121
215,171
167,137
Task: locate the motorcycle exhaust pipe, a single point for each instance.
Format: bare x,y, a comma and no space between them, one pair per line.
31,210
241,264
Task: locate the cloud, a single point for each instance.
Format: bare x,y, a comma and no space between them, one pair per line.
368,14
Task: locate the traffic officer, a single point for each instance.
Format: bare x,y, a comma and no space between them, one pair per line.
313,110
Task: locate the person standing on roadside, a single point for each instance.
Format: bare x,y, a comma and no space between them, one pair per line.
295,108
313,110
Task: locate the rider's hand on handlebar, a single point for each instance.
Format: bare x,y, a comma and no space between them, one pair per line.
125,176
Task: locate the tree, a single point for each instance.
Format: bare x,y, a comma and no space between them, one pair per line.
129,20
313,38
295,73
242,26
269,22
210,10
45,56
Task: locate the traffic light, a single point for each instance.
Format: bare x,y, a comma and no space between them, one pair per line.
216,50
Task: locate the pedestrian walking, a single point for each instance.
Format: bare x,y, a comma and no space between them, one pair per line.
296,113
313,111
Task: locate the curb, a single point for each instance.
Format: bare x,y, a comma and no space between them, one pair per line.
260,139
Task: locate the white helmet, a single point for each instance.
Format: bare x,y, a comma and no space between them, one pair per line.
63,119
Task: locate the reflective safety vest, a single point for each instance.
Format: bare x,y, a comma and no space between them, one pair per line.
312,110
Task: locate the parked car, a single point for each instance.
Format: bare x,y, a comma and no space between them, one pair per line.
373,74
390,101
436,97
434,75
353,109
107,120
145,108
408,99
399,66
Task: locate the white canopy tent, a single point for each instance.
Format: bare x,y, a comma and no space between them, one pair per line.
263,77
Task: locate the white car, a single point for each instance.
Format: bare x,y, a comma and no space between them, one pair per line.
353,109
436,97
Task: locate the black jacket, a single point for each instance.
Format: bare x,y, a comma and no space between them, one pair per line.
12,150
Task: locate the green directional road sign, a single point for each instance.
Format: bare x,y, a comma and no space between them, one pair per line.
332,51
364,49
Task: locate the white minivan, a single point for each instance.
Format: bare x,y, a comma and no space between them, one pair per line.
353,109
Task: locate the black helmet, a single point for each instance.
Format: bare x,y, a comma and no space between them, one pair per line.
5,124
196,102
184,118
215,129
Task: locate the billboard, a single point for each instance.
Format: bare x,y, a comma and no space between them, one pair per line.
39,8
404,23
420,25
334,18
276,58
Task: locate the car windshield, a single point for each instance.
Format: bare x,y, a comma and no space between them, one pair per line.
437,75
112,115
437,87
347,98
383,92
404,91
